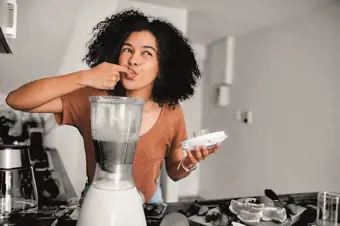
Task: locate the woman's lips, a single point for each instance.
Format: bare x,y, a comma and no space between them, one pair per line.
131,75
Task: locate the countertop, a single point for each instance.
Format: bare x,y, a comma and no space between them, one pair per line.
300,198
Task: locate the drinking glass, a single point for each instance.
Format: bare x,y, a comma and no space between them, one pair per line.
328,204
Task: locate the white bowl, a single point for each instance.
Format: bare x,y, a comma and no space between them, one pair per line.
209,140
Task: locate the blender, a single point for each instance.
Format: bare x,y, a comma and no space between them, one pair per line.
113,198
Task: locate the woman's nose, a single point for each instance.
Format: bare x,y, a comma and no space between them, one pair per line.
134,60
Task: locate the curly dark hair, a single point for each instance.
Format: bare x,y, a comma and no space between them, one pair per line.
178,69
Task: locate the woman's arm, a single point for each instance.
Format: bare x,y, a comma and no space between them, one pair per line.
174,165
176,154
43,95
180,166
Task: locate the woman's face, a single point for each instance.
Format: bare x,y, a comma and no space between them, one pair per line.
139,54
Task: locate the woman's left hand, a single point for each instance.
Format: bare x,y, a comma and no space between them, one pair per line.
199,154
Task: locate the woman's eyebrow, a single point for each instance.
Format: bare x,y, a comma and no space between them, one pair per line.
150,47
127,44
144,46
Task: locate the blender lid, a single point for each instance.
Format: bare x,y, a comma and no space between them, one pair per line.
116,100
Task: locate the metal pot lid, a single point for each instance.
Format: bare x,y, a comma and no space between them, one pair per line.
14,156
13,146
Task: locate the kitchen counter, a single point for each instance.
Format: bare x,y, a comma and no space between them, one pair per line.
300,198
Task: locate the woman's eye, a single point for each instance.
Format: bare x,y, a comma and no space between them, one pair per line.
147,53
126,50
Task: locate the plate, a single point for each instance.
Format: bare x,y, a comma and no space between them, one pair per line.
209,140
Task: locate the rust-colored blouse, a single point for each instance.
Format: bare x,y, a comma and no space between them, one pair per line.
153,146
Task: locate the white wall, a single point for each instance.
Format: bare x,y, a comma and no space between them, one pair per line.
288,75
41,41
178,17
50,41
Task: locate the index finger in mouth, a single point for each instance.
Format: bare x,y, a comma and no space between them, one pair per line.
121,68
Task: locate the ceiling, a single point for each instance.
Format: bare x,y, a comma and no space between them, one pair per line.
209,20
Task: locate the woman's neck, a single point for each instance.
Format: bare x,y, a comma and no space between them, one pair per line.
149,104
139,94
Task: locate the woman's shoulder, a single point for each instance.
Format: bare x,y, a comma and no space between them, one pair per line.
172,121
173,113
173,110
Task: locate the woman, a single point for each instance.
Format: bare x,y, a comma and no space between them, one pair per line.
129,55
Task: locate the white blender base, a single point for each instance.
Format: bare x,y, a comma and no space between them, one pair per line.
112,208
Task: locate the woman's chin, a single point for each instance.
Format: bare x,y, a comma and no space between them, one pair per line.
133,86
130,87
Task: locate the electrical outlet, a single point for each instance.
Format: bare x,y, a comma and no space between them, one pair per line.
244,116
248,117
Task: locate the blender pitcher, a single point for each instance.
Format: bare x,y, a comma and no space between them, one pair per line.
112,198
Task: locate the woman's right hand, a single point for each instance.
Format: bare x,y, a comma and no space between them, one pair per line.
104,76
